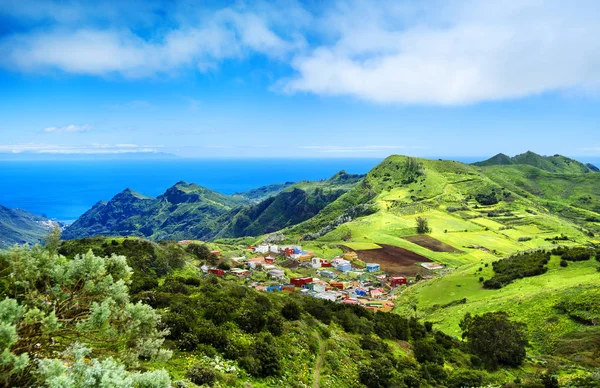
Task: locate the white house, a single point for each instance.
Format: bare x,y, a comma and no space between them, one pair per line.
315,262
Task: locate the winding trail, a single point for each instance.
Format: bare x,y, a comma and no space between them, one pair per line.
319,364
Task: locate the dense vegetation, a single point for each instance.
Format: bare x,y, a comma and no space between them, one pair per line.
554,163
516,267
57,313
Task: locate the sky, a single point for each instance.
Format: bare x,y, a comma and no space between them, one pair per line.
285,78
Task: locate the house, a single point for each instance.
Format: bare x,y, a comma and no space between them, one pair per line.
268,267
288,252
328,274
344,267
288,288
255,262
327,296
277,273
273,248
240,272
316,287
216,271
350,301
204,268
350,255
432,266
372,267
338,285
380,277
315,262
300,282
397,281
262,248
215,252
325,263
273,288
360,292
269,260
260,288
376,293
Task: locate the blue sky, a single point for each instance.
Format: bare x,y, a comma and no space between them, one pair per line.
299,79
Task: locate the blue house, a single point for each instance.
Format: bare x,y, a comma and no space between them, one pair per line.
344,267
273,288
372,267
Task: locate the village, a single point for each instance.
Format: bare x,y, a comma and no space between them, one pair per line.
343,279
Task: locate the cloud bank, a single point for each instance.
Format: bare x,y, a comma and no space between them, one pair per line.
69,128
389,52
90,149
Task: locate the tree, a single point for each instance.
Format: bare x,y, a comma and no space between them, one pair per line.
52,240
423,225
495,339
56,301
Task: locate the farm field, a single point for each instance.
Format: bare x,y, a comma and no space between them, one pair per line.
395,260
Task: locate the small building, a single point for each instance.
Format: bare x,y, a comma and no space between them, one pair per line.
327,296
344,267
350,301
372,267
300,282
260,288
216,253
432,266
268,267
262,248
317,287
328,274
397,281
288,288
274,288
315,262
360,292
277,273
216,271
269,260
204,268
376,293
240,272
325,263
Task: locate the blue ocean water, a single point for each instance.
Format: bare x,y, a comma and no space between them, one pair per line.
66,189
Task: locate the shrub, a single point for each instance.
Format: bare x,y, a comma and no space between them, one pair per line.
201,375
578,254
495,339
516,267
291,311
423,225
564,263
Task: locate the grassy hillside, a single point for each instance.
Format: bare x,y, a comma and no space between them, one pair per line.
19,227
484,214
554,163
296,203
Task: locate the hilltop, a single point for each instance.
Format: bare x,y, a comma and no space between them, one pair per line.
18,226
554,163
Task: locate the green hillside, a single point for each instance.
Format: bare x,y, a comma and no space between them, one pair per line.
184,211
19,227
296,203
554,163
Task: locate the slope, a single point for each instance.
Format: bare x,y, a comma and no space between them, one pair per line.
19,227
554,163
183,211
293,205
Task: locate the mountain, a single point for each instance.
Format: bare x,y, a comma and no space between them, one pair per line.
261,193
19,227
592,167
554,163
184,211
295,204
189,211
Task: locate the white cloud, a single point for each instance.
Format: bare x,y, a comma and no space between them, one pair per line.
453,53
436,52
91,149
69,128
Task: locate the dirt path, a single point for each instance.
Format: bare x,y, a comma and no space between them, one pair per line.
319,363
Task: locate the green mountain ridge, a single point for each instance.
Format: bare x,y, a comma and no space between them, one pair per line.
554,163
18,226
189,211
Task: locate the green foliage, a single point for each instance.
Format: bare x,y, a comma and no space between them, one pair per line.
201,375
74,370
55,301
516,267
423,225
495,339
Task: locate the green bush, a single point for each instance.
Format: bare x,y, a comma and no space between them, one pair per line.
201,375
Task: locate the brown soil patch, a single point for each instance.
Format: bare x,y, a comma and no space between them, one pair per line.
395,260
431,243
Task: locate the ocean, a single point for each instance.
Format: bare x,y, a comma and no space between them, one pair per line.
65,189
